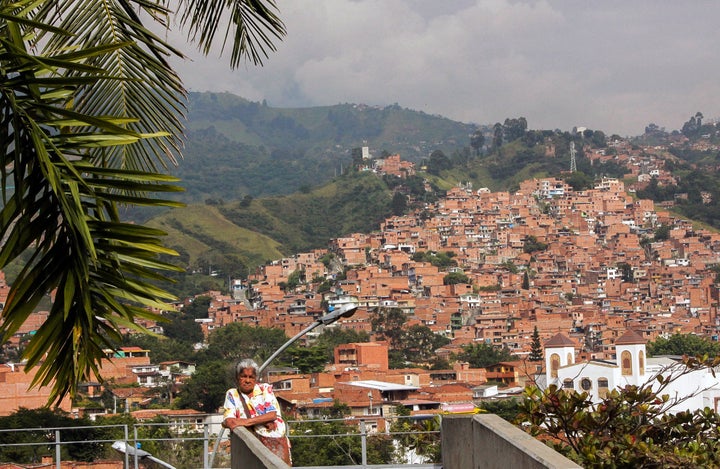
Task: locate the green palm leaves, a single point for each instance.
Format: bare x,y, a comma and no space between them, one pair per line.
84,125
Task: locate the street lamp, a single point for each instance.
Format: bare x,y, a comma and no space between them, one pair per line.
343,311
127,449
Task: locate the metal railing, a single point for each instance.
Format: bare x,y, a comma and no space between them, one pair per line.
165,443
357,441
368,440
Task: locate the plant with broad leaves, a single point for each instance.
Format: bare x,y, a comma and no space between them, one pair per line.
631,427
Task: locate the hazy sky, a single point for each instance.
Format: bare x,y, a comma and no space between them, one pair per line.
603,64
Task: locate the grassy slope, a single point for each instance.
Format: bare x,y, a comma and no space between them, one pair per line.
191,228
269,228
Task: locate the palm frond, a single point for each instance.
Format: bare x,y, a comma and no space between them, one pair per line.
63,210
86,124
252,24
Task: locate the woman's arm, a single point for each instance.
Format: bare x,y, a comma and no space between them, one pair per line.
231,423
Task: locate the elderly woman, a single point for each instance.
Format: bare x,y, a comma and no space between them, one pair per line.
253,405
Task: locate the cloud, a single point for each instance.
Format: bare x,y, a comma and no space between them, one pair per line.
612,65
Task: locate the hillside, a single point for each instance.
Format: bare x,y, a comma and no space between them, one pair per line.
204,237
237,147
230,237
265,183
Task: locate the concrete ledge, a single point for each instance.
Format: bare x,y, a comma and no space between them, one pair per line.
248,453
489,442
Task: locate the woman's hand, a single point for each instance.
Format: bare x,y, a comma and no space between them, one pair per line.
233,423
271,425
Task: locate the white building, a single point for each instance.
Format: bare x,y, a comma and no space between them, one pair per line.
689,390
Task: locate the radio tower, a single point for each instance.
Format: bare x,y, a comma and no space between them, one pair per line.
573,165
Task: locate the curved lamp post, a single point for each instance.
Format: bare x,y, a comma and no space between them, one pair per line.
344,311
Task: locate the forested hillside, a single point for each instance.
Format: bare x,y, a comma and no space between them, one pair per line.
237,147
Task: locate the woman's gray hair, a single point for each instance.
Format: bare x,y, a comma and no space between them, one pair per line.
245,364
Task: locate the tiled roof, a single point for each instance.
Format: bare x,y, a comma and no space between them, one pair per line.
560,340
630,337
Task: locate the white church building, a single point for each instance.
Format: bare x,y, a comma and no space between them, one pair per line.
691,390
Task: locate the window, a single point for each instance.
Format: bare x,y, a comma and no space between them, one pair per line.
283,385
602,387
568,384
554,365
626,363
586,384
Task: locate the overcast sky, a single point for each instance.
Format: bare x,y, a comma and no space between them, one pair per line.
608,65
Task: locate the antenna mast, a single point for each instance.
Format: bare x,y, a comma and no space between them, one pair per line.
573,165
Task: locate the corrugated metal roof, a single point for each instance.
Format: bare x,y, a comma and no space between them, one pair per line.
382,385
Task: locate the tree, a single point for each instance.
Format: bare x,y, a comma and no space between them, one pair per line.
627,271
157,439
161,349
662,233
536,349
497,135
335,442
683,344
692,127
453,278
182,325
508,409
295,279
419,343
438,162
514,129
532,244
237,341
90,112
398,203
578,180
307,359
388,323
481,355
441,260
40,420
205,390
422,436
477,140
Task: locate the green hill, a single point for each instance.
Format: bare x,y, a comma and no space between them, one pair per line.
237,147
203,236
230,237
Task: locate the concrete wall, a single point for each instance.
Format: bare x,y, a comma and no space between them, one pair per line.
483,441
487,441
248,453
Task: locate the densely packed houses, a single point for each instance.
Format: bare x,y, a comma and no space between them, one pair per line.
585,263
